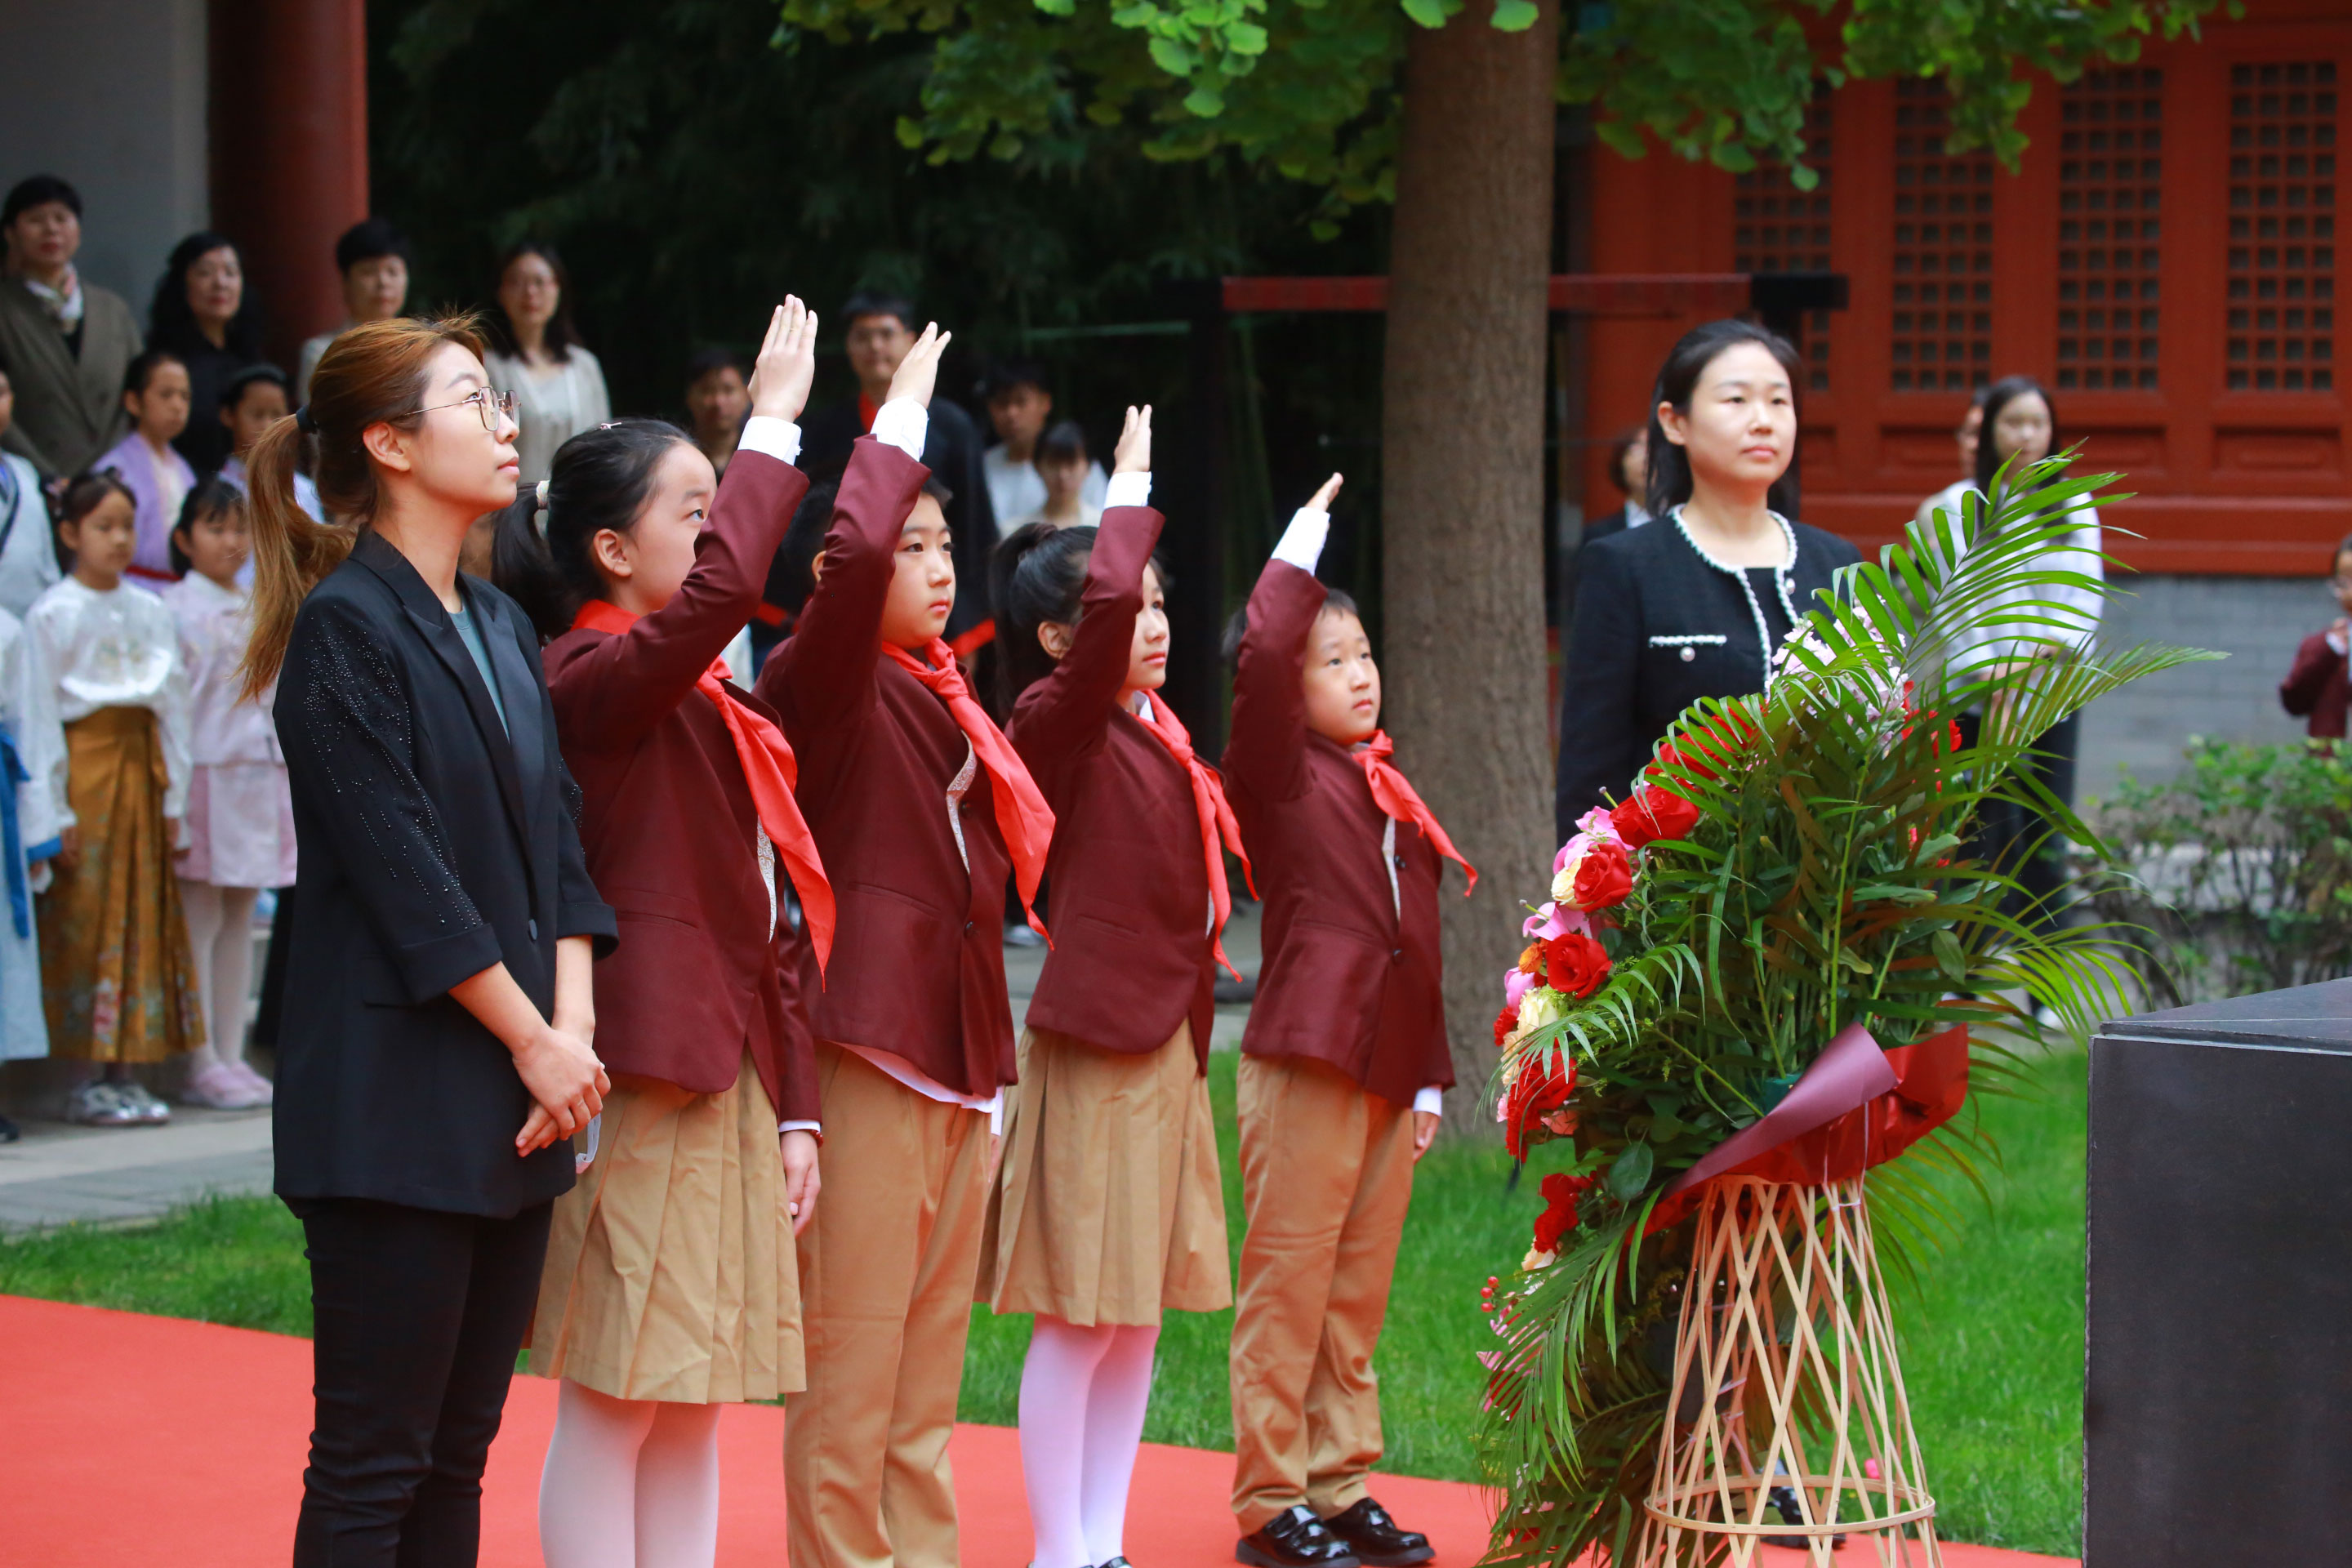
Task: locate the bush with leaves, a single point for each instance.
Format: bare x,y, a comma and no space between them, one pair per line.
2238,869
1798,861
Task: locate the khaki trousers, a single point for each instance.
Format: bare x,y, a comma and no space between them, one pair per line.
1327,1175
886,1271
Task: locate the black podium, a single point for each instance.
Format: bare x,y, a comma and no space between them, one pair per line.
2218,1411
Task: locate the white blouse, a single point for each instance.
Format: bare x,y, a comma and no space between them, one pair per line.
215,625
120,648
552,407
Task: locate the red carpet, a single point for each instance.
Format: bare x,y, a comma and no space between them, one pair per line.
133,1440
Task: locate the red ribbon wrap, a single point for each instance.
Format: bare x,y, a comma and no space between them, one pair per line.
1857,1105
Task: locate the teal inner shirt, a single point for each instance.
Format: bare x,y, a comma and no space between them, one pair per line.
470,634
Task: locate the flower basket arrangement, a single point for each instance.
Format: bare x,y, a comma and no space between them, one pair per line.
1746,1017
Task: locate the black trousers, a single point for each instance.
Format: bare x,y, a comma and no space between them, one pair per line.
2017,838
418,1315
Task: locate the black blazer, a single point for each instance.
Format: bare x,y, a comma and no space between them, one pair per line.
430,846
1657,629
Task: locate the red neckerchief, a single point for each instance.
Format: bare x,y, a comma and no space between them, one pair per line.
768,768
1393,793
1219,831
1022,813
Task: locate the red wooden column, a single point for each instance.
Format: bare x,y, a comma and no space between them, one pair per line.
289,163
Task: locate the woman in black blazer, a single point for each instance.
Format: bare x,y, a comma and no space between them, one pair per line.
1697,602
434,1052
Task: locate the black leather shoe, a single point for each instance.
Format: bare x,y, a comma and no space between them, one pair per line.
1375,1539
1296,1539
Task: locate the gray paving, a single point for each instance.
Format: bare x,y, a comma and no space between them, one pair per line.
60,1174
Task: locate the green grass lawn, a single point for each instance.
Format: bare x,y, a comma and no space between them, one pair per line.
1993,1353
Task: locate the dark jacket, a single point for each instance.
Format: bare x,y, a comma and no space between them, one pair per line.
1131,958
2318,688
1657,627
918,963
671,830
431,846
1352,971
951,448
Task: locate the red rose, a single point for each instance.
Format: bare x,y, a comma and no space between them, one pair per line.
1603,877
1541,1089
1562,1193
1575,964
1505,1022
1651,813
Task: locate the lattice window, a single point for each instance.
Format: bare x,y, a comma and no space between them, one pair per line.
2110,171
2282,227
1941,329
1780,228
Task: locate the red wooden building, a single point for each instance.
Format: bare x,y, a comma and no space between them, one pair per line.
2165,258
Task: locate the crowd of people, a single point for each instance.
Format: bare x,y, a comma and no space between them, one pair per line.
642,991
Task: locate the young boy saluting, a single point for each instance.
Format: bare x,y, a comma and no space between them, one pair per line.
1343,1064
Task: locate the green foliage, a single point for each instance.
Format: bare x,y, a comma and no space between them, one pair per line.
1829,881
2239,867
1309,87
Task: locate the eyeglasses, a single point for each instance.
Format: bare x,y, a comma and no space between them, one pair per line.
491,406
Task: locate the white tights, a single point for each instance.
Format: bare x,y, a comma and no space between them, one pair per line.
629,1483
220,940
1083,1395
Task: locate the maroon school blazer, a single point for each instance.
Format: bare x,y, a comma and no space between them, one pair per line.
2318,688
671,830
919,939
1131,913
1346,979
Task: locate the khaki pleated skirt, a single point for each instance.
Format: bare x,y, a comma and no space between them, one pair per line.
1108,1207
670,1270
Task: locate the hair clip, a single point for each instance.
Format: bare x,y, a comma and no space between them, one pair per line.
540,489
305,421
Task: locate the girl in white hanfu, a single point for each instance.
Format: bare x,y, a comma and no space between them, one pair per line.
240,824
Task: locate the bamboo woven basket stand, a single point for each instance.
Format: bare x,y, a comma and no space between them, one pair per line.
1786,1375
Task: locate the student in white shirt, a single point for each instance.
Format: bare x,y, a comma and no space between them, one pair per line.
1019,407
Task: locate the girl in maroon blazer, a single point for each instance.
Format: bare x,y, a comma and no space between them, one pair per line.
1108,1207
922,808
1343,1062
671,1284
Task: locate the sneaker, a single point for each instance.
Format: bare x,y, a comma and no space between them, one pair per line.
264,1093
220,1087
149,1111
100,1104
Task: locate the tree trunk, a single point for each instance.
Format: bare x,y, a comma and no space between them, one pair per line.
1462,442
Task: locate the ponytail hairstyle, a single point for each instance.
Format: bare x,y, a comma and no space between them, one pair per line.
1670,472
371,375
600,479
1038,575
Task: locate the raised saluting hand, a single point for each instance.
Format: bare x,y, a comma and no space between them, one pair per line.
919,373
786,367
1133,455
